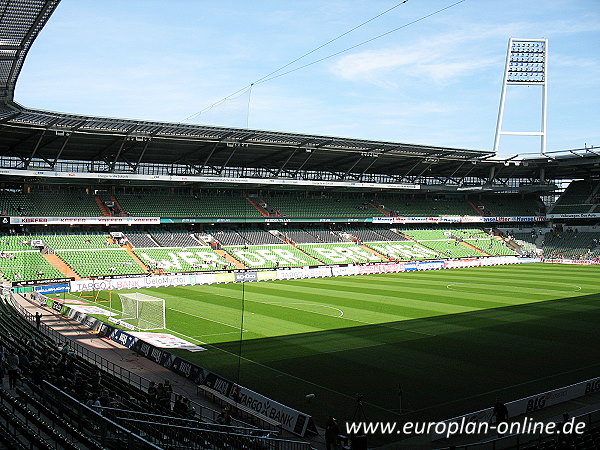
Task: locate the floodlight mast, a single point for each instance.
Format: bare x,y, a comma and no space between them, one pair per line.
526,65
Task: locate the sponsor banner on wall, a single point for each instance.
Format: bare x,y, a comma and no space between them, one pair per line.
245,277
290,419
140,282
578,262
267,275
381,268
457,219
83,318
303,272
112,220
39,282
530,404
410,266
263,219
119,336
344,271
185,368
219,384
574,216
461,263
430,265
91,309
166,340
53,289
57,306
204,179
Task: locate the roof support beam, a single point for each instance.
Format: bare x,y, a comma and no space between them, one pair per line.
285,162
212,151
359,159
139,160
62,148
35,149
312,152
235,147
373,161
114,163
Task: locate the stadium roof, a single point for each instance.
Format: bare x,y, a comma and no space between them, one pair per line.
20,23
41,140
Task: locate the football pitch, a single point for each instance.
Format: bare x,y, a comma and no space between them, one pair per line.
449,340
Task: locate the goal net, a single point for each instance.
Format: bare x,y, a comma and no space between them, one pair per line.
143,311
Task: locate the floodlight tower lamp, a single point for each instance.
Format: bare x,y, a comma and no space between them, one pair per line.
526,65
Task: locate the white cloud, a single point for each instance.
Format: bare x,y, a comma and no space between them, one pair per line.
439,61
444,58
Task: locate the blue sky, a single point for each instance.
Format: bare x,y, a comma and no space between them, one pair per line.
435,82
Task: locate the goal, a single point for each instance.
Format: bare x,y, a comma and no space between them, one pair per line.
143,311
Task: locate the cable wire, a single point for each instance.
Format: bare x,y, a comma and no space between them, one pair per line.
266,77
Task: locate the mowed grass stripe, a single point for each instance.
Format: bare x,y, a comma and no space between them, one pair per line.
511,325
421,299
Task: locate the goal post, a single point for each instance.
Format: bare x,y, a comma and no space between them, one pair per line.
146,312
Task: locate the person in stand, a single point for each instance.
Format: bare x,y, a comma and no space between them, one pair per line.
38,319
1,365
224,418
12,365
500,413
332,431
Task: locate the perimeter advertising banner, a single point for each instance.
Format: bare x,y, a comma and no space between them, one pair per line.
290,419
85,220
53,289
530,404
458,219
578,262
142,282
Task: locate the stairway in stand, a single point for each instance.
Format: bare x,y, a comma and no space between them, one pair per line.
230,259
59,264
102,206
129,250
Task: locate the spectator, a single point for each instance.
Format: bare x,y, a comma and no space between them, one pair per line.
224,418
1,365
332,431
500,412
12,365
38,319
152,393
236,396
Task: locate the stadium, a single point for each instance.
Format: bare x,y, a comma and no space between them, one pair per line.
278,279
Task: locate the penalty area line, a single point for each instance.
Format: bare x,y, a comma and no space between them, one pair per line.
206,318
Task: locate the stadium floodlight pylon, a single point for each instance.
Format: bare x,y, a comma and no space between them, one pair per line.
147,312
526,65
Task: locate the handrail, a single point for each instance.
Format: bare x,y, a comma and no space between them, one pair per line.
516,441
132,379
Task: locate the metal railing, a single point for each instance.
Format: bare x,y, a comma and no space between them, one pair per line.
181,437
104,430
116,370
170,429
518,441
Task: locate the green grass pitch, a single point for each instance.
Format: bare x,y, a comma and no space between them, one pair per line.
452,340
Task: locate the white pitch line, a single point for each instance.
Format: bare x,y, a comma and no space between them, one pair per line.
216,334
285,305
533,291
205,318
308,304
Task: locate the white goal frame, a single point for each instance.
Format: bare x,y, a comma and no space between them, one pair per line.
147,312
